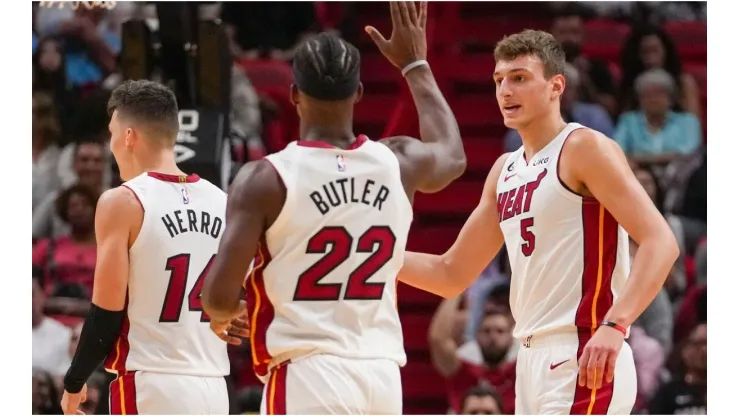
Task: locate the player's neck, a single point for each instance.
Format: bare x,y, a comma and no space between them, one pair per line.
160,162
540,133
338,135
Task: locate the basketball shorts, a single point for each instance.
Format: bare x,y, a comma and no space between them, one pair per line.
547,378
329,385
141,392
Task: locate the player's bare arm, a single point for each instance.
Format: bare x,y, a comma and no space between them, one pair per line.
594,165
479,241
442,344
255,200
431,164
118,219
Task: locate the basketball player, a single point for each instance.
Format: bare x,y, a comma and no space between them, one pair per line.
156,235
559,203
328,218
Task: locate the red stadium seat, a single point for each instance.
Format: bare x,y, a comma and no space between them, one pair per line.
434,239
412,297
460,197
415,330
690,39
603,39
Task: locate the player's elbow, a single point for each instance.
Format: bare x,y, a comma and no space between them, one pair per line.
452,169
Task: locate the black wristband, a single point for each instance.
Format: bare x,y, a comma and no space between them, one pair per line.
99,334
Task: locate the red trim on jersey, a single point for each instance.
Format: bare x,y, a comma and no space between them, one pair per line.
324,145
276,390
600,237
590,401
557,169
116,360
174,178
122,400
260,310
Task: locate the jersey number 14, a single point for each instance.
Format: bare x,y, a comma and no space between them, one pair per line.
179,268
378,240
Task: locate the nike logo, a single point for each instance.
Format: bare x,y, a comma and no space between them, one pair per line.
507,177
554,366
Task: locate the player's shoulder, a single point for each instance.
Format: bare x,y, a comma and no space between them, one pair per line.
256,179
121,197
585,141
118,207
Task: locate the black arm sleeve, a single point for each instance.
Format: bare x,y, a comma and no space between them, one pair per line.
98,336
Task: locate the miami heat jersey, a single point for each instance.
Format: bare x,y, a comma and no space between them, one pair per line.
569,257
324,278
165,329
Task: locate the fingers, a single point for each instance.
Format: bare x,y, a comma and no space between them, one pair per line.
611,364
80,412
423,15
376,36
592,368
238,328
230,340
582,367
411,6
405,16
396,14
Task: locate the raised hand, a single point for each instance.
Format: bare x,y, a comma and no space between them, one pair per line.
408,42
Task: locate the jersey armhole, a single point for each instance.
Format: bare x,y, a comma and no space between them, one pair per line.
564,187
143,229
284,179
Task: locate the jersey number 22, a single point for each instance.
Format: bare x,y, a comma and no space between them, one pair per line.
309,286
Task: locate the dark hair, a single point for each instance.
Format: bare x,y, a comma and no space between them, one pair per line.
88,141
49,81
482,389
632,65
147,102
533,42
46,128
327,68
62,201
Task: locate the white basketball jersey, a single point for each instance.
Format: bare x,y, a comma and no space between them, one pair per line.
569,257
165,329
324,277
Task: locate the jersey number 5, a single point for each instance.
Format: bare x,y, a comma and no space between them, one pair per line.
309,283
179,268
527,236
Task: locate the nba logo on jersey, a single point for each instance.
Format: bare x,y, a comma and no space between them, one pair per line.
185,196
340,163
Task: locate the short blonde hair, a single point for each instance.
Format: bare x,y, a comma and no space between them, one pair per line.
533,42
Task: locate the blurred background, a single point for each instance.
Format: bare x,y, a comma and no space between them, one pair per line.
637,73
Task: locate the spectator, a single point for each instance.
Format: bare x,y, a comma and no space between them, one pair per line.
650,184
481,400
686,201
596,84
686,393
64,364
655,136
48,69
88,167
68,263
692,311
494,339
45,152
649,359
49,339
44,395
651,48
95,385
573,110
268,29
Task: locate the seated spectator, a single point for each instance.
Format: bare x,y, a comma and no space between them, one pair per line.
45,397
596,84
692,311
95,386
88,168
655,136
49,339
48,73
650,48
573,110
67,263
481,400
64,365
686,392
45,152
494,338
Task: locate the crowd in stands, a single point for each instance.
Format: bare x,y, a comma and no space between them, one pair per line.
649,102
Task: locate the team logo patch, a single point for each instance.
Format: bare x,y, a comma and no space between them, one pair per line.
185,196
340,163
511,167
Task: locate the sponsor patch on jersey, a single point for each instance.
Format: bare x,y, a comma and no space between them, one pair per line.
185,196
340,163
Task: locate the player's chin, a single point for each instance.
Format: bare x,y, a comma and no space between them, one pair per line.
513,122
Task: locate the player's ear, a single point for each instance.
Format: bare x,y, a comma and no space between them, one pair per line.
130,138
360,91
558,85
293,94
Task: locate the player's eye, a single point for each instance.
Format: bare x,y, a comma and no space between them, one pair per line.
519,78
498,81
